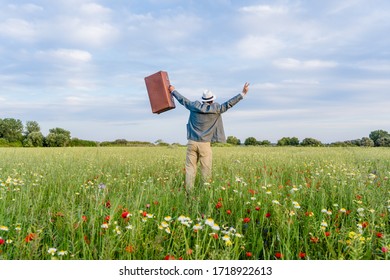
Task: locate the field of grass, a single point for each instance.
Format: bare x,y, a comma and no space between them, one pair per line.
129,203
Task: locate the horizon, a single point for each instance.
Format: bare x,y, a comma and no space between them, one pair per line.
316,70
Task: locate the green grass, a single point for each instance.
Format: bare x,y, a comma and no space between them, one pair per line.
288,203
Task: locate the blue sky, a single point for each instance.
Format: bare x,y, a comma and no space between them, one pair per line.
317,69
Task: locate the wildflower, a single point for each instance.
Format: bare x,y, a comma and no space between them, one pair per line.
226,238
130,227
327,233
84,218
130,249
2,241
107,218
189,252
248,254
209,222
164,224
214,235
302,255
228,243
168,218
108,204
229,212
324,224
309,214
197,227
314,239
364,224
102,186
169,257
343,210
351,234
215,227
52,251
62,253
278,255
275,202
30,237
149,216
385,249
18,228
329,212
126,215
268,192
238,235
104,225
268,215
218,205
292,213
379,235
4,228
246,220
168,230
257,208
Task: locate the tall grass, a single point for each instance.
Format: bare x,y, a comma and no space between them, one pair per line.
130,203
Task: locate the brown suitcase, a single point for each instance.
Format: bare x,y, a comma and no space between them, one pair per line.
160,98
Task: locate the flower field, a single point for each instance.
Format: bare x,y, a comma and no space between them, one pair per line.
130,203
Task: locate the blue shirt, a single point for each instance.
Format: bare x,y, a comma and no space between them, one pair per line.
205,121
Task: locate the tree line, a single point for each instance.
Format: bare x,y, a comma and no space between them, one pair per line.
14,134
377,138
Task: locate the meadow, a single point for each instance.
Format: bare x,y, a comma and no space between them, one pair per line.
107,203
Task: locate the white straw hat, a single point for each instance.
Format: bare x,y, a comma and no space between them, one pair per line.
208,96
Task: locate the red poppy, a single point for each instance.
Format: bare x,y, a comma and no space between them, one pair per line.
278,255
327,233
86,239
2,241
169,257
30,237
144,213
248,254
302,255
84,218
268,215
130,249
246,220
125,215
252,192
364,224
215,236
218,205
108,204
379,235
248,210
257,208
314,239
107,218
229,212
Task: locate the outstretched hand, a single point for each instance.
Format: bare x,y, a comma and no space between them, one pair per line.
245,88
171,88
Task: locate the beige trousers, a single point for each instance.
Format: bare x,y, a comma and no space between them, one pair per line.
198,152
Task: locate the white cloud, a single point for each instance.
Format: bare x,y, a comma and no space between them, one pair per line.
94,9
259,46
264,10
291,63
67,55
18,29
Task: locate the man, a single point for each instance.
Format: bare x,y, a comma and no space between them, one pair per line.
204,126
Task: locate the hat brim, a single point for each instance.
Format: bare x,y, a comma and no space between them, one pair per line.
212,98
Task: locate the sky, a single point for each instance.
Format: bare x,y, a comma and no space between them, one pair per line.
318,69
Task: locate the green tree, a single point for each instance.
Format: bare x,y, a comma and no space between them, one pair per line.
58,137
384,141
367,142
250,141
377,134
11,129
311,142
33,135
233,140
264,143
